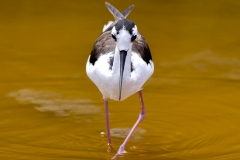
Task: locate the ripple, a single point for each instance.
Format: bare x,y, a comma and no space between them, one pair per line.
205,63
123,132
52,102
198,136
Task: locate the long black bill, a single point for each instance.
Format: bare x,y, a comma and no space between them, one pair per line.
123,55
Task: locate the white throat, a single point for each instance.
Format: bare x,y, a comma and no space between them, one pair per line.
116,63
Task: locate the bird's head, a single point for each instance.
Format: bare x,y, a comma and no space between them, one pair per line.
124,33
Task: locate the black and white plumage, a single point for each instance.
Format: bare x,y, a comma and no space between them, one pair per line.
120,62
103,63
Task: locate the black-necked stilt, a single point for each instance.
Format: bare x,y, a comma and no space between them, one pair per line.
120,63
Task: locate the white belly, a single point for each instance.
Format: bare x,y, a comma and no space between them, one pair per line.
107,80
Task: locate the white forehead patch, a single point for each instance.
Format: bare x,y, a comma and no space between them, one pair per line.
123,39
114,31
134,30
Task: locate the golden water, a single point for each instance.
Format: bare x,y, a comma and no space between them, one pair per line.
51,110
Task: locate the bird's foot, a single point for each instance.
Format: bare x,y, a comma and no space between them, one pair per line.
110,148
120,152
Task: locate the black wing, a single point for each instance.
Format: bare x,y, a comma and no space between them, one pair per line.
140,46
104,44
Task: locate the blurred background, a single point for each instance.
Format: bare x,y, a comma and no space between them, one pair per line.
51,110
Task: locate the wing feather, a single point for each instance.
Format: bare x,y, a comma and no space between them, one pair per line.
104,44
140,46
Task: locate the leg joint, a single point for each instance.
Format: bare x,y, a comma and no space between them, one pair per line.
142,114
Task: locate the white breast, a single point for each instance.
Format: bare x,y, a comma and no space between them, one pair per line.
108,80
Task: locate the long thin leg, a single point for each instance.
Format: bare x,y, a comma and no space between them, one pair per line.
140,118
107,124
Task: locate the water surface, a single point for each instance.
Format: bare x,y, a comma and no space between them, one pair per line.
51,110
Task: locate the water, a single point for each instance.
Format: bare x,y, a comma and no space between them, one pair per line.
51,110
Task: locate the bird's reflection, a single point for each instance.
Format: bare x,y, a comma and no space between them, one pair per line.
53,102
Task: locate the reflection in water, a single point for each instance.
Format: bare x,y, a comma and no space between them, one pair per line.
52,102
207,63
123,132
192,99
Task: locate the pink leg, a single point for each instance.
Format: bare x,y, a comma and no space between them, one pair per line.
140,118
107,124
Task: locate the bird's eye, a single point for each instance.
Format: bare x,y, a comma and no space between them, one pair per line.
133,38
114,37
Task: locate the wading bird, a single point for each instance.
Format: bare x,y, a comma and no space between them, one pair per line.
119,64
